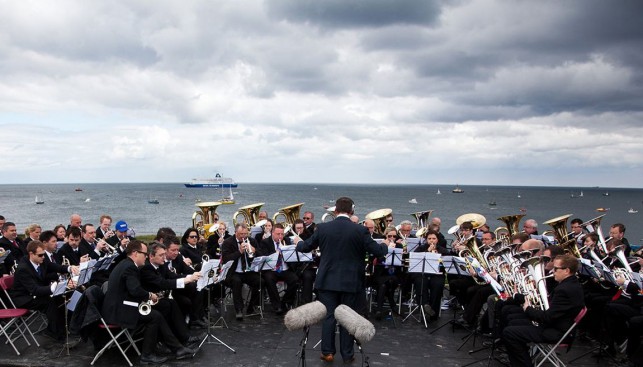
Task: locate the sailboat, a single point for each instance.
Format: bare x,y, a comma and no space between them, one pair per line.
581,194
413,201
519,196
39,200
438,193
153,201
228,199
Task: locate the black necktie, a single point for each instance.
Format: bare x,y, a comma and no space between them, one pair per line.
51,259
39,270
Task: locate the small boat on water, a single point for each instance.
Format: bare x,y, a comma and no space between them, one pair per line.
519,196
438,193
39,200
216,182
492,203
457,190
78,189
153,201
606,193
413,201
88,200
632,211
602,210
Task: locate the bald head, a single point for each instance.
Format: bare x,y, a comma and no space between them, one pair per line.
370,225
75,220
532,244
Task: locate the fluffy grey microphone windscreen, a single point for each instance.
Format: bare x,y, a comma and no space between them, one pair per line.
362,329
306,315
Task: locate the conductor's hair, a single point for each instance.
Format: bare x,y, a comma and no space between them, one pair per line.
344,205
134,246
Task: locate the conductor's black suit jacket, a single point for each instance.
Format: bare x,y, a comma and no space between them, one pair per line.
343,245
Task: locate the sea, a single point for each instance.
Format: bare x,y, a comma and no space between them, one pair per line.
176,203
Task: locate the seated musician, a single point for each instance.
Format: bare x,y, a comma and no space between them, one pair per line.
269,246
435,225
386,278
216,239
33,287
458,284
121,303
191,248
266,230
306,271
576,231
564,305
95,249
431,282
625,305
120,240
156,277
617,232
240,250
370,225
162,233
10,242
32,232
71,251
309,225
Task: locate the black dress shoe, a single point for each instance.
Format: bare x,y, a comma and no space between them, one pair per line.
162,349
239,316
350,360
378,315
195,339
250,310
152,359
184,352
198,324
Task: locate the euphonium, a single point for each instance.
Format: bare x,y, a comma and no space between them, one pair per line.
250,214
559,225
379,217
207,217
594,225
512,225
422,218
534,286
329,215
290,213
473,251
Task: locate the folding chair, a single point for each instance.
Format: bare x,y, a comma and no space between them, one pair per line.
94,296
547,352
6,283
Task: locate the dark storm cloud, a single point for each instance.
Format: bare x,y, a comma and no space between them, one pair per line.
356,13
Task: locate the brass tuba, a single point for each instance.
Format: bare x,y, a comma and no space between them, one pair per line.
379,217
206,216
594,225
559,225
512,225
422,220
290,213
250,214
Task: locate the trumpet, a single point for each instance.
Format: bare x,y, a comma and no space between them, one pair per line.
108,249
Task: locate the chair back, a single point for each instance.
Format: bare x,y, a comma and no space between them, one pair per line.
6,283
580,316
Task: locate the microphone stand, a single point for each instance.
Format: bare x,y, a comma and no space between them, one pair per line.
209,332
365,362
302,344
67,344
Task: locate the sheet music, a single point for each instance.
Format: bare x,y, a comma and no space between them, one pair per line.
412,244
224,272
430,260
73,301
393,257
291,255
61,287
4,255
455,265
204,280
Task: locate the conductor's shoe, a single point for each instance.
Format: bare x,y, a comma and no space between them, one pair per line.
349,360
152,359
184,352
327,357
378,315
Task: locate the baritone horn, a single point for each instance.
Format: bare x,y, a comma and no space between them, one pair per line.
422,221
250,214
512,225
290,213
379,217
559,225
206,217
329,215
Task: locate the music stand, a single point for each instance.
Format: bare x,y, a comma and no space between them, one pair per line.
258,264
456,266
422,263
213,279
61,290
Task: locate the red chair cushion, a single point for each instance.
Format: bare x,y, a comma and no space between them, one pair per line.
13,313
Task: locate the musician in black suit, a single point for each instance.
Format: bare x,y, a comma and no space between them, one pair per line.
72,250
88,243
306,271
269,246
435,225
191,248
188,298
370,225
122,299
617,232
157,278
33,287
564,305
49,239
10,241
238,249
309,225
120,240
431,282
266,230
103,231
341,273
216,239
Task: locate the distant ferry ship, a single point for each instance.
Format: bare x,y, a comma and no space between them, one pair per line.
217,181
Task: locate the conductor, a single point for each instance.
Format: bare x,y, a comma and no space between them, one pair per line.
340,277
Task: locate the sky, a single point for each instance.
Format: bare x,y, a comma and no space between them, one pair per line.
334,91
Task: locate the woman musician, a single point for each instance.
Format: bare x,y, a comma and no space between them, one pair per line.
266,231
213,247
386,278
429,287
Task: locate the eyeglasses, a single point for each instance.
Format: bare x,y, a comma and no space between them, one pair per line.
390,236
193,236
40,255
389,220
307,218
559,268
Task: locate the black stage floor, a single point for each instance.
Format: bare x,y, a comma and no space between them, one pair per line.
266,342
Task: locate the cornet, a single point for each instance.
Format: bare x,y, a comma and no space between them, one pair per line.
145,308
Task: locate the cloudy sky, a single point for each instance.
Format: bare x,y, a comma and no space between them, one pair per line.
356,91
